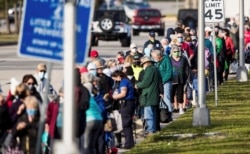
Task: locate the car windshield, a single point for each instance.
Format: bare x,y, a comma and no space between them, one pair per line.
115,15
150,13
135,4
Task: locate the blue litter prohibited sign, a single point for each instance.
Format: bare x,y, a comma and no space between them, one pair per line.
42,29
214,11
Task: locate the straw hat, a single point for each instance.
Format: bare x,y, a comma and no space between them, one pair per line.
99,64
145,59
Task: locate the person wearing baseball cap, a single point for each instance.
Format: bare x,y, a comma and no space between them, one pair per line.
133,50
156,43
94,55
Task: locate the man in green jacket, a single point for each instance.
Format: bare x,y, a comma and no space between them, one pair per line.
163,63
149,98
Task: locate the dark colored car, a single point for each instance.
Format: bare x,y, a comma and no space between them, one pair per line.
111,25
188,17
148,19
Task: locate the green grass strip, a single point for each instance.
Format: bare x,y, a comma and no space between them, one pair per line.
230,121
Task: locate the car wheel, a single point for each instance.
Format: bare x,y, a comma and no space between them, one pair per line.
135,32
125,41
106,24
94,41
161,32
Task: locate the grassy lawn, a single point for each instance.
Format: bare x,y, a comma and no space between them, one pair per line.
230,123
8,38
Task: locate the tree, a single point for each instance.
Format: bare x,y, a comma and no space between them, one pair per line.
7,17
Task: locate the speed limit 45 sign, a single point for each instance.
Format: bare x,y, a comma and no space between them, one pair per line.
214,11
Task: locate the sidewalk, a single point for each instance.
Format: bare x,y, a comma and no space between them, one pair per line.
139,131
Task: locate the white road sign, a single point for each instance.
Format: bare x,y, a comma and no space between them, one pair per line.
214,11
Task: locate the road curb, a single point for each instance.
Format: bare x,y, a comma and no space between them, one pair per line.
8,43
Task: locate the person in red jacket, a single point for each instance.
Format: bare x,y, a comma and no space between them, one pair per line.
229,51
247,35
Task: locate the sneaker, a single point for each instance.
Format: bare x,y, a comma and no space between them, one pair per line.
181,111
175,110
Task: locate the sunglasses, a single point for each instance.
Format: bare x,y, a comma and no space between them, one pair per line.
176,51
42,71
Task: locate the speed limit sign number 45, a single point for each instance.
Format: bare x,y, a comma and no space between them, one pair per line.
214,11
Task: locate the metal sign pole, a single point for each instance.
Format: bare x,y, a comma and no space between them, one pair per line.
68,146
215,69
201,115
242,73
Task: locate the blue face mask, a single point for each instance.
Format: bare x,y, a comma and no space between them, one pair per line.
41,75
180,40
93,72
31,112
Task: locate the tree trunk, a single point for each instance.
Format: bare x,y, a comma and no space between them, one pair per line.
7,17
20,15
16,17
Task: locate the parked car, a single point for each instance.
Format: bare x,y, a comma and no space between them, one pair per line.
110,24
188,17
148,19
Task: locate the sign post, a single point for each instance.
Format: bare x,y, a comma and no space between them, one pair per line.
201,116
59,32
214,13
242,72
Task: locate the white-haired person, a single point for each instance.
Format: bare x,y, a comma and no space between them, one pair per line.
27,125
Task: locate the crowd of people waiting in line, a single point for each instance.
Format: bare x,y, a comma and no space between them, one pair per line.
133,83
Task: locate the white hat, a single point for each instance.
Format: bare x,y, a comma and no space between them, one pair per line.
208,29
133,45
91,66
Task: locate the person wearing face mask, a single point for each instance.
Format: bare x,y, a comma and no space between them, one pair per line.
150,94
17,107
54,119
163,63
180,77
133,50
92,68
136,67
126,98
41,79
106,82
27,125
30,81
156,43
185,48
166,47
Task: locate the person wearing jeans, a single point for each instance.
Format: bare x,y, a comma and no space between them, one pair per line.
150,95
150,117
163,63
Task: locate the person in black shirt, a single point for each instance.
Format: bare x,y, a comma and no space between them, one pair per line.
156,43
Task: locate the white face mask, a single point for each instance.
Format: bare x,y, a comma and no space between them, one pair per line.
130,77
41,75
133,50
61,100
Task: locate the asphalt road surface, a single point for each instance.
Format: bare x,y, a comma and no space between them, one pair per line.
13,66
